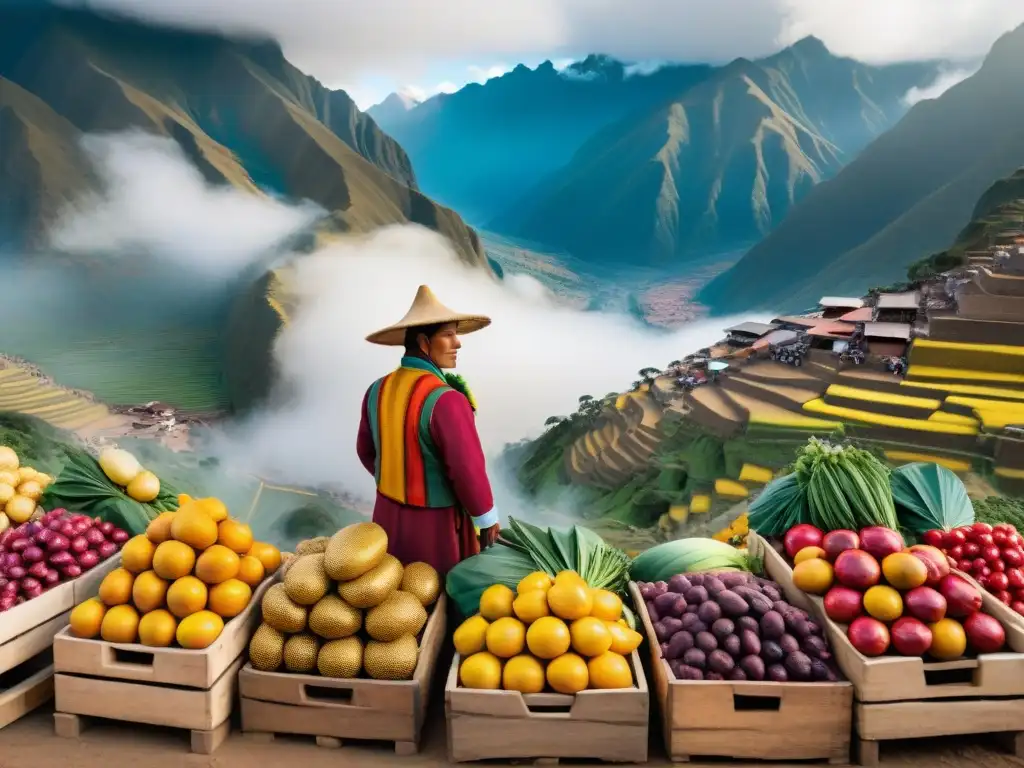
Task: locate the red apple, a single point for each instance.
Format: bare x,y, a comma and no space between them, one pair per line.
910,637
868,635
857,569
839,541
800,536
924,604
984,633
934,559
879,541
843,604
962,599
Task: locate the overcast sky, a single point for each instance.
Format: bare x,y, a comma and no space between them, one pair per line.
372,47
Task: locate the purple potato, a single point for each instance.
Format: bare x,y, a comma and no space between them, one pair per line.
773,626
664,602
660,587
772,652
731,645
748,622
750,643
709,612
661,632
789,644
695,578
696,595
720,661
652,612
814,628
736,673
647,591
819,670
776,673
679,584
689,622
695,658
798,665
692,608
714,676
815,647
732,604
686,672
722,628
705,641
713,585
681,642
753,666
732,580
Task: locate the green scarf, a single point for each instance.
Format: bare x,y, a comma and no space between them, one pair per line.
456,382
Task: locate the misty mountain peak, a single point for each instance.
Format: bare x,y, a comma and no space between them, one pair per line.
597,66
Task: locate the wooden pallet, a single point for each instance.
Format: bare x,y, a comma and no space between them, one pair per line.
610,725
26,637
171,687
334,710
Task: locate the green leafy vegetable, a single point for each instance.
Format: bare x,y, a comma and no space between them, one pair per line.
495,565
929,496
781,505
666,560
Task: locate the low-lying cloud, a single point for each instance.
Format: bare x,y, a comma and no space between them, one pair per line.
942,83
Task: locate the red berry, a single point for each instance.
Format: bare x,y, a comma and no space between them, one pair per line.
1018,606
957,551
1013,556
933,538
997,565
965,565
956,536
972,549
986,571
991,553
984,539
1004,597
1015,577
981,528
998,582
978,563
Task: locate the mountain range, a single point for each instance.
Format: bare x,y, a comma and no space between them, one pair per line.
904,197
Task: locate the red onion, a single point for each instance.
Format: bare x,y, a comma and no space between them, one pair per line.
58,543
71,571
107,549
6,536
7,602
19,545
119,537
78,545
62,558
94,536
11,586
107,528
16,572
32,554
38,570
44,536
52,577
55,524
67,528
3,583
88,560
31,529
30,583
11,559
79,517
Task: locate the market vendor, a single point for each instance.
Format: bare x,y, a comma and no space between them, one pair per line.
418,438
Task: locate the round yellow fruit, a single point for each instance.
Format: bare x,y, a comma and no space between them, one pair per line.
8,459
235,536
6,493
250,570
590,636
482,671
572,576
810,553
194,527
149,591
267,554
19,509
813,576
570,599
183,499
116,587
548,637
624,639
215,508
229,598
87,618
120,624
159,529
217,564
157,628
523,673
568,674
186,596
609,670
26,473
199,630
119,466
137,554
606,605
173,559
530,606
9,478
471,636
883,603
144,487
536,580
43,479
30,489
496,602
506,637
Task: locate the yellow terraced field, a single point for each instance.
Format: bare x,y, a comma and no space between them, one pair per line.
712,398
869,417
1009,472
798,395
679,512
751,473
21,392
871,396
969,389
730,489
963,346
986,404
952,418
909,457
700,504
778,371
956,374
768,414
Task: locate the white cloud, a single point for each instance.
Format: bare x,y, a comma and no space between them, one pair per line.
939,86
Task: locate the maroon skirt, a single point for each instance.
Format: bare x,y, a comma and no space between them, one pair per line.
442,537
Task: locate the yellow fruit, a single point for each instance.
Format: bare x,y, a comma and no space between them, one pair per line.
9,477
548,637
159,529
217,564
606,605
624,639
904,571
392,660
949,641
482,671
186,596
157,628
524,674
87,617
194,527
137,554
813,576
339,658
8,459
144,487
6,493
809,553
215,508
470,637
609,670
536,580
120,624
199,630
590,636
26,473
496,602
116,587
570,599
30,489
183,499
173,559
422,580
354,550
250,570
266,649
568,674
119,466
43,479
572,576
530,606
506,637
229,598
267,554
235,536
884,603
149,591
19,509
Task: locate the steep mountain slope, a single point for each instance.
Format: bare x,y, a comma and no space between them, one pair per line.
719,164
481,149
393,108
905,196
240,111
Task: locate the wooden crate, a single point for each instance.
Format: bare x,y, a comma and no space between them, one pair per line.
334,710
749,719
609,725
171,687
26,637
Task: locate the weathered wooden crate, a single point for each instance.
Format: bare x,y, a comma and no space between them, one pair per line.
749,720
609,725
173,687
334,710
902,697
26,637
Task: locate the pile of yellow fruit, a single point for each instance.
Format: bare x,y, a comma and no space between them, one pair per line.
179,581
20,489
556,632
123,469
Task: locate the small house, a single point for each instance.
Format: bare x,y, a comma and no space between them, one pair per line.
833,307
796,322
887,339
745,334
897,307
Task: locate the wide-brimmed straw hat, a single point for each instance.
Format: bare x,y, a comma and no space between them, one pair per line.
427,310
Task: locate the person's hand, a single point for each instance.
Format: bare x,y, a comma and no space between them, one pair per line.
489,535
